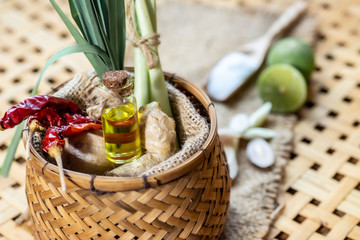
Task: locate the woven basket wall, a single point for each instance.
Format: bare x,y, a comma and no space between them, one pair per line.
187,202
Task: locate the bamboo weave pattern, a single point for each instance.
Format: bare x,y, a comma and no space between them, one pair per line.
192,207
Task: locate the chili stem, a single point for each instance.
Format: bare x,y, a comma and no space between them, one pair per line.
55,152
33,127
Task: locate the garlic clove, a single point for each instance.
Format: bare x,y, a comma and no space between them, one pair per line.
239,122
260,153
231,144
232,162
259,116
258,133
228,132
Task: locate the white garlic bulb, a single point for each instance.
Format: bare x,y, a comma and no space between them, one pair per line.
260,153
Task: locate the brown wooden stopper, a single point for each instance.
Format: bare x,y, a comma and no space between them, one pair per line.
115,79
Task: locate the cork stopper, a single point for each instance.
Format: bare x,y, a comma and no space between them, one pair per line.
115,79
119,82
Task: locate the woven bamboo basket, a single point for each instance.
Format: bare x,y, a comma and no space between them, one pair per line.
189,201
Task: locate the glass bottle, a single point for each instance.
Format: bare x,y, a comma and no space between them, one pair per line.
120,123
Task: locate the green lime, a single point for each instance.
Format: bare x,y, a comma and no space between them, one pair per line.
284,86
293,51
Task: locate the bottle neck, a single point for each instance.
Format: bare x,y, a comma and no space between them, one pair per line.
126,90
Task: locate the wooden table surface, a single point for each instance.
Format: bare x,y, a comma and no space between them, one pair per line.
322,183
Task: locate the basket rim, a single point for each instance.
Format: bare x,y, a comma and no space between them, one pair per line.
106,183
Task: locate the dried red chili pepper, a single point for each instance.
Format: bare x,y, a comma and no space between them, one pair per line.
47,117
78,118
61,117
54,142
54,136
16,114
59,127
72,124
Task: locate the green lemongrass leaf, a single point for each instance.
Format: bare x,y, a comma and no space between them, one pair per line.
75,15
95,61
85,29
74,32
103,10
11,151
78,48
88,16
103,35
142,82
117,31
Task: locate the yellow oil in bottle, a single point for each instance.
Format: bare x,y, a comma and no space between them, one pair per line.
121,133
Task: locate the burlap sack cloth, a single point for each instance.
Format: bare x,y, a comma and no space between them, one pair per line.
193,38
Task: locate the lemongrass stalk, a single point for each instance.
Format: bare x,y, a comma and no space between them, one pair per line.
143,16
158,90
142,84
152,12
